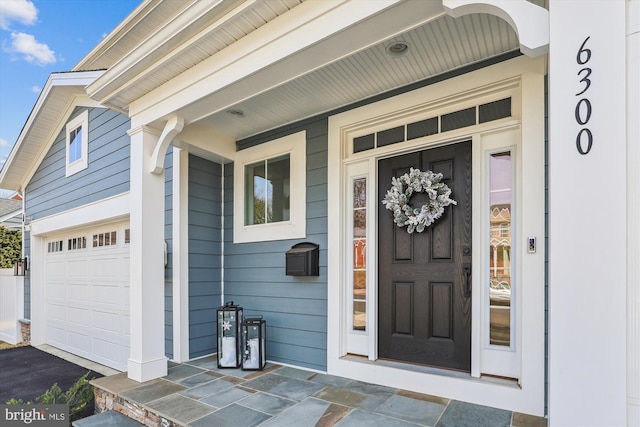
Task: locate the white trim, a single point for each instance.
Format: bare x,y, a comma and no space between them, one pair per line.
180,235
295,228
520,74
529,21
80,122
108,209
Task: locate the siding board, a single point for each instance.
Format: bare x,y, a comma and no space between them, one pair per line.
205,242
50,192
295,308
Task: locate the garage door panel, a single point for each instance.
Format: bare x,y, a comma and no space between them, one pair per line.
79,292
112,295
78,268
57,290
80,316
88,298
80,342
56,270
57,312
106,268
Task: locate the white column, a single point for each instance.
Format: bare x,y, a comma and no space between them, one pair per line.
587,214
180,255
633,213
147,358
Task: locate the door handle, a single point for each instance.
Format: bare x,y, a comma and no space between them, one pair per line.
466,271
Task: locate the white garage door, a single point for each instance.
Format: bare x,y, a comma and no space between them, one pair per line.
87,293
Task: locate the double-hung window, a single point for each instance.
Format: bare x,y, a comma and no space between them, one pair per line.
269,191
77,144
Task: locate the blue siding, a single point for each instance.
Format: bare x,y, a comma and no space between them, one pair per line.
295,308
50,192
205,247
168,236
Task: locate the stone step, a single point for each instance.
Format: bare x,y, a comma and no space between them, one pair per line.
107,419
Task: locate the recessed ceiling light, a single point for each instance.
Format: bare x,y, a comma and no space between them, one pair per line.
397,48
235,113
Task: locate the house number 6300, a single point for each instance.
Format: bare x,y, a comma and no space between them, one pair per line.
584,138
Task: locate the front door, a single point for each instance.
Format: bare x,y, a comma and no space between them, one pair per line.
424,279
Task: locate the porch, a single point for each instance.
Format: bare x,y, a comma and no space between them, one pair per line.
197,393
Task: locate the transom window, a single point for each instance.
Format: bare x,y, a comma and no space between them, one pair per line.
77,144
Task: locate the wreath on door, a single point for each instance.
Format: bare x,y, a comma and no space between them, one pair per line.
398,198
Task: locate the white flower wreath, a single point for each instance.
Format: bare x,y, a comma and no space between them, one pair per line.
403,188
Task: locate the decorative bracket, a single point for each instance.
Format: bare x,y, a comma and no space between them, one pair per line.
530,22
172,128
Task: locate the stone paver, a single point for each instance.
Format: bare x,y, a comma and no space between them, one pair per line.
198,394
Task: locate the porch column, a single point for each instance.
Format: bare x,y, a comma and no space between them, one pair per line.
147,357
587,214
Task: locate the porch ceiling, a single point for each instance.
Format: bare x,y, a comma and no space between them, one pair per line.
337,70
440,46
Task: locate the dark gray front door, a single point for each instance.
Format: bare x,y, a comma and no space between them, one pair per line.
424,279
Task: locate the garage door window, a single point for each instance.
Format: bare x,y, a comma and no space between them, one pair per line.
77,243
54,246
105,239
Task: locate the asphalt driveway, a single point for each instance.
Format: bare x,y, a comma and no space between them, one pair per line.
26,373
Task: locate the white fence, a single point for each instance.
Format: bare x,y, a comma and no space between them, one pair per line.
11,305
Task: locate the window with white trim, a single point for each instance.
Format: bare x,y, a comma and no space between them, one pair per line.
270,191
77,144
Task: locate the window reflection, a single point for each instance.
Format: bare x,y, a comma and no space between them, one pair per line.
500,195
359,254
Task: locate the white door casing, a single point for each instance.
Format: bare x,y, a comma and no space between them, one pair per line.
523,133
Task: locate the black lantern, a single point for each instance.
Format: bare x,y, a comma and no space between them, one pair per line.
20,267
254,335
229,318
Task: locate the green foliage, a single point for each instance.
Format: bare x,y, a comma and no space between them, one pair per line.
79,397
10,246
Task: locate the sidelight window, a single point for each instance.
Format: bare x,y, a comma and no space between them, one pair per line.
500,278
359,254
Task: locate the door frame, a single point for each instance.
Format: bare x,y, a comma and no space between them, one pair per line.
522,78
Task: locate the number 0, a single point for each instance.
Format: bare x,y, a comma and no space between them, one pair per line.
579,144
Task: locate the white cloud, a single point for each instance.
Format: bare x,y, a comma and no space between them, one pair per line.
31,50
36,89
3,143
22,11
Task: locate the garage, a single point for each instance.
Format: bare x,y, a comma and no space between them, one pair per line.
87,293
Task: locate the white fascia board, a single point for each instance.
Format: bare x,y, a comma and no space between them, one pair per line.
308,28
120,74
16,178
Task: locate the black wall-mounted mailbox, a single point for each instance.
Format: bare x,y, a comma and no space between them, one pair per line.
303,260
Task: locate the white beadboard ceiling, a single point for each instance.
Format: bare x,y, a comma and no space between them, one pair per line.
439,46
442,45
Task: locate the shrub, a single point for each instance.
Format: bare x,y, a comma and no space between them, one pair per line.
79,397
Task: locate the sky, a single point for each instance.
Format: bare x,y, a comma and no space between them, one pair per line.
40,37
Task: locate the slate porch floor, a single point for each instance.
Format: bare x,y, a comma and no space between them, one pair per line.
197,394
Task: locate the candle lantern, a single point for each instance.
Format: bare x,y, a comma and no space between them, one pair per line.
229,318
254,335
